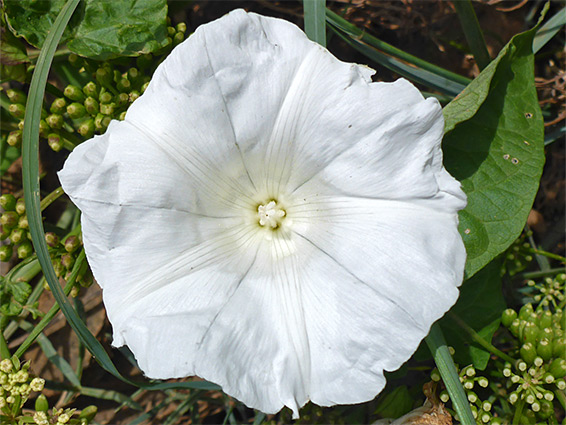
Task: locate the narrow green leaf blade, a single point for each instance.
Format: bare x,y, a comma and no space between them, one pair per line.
315,20
494,146
445,364
549,29
472,31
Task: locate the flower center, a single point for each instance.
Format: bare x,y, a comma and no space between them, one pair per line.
270,214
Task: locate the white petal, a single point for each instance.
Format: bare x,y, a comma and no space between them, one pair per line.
245,332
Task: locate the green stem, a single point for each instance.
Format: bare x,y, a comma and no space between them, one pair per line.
54,309
545,273
472,31
561,396
548,254
4,351
477,338
443,359
519,411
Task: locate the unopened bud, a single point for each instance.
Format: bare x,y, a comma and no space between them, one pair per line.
54,142
483,382
52,239
67,260
101,122
526,311
72,243
18,235
76,110
106,97
54,121
91,89
528,353
25,250
507,317
16,96
559,347
181,27
75,61
74,93
9,219
17,110
14,138
37,384
23,222
58,106
122,99
104,76
124,85
41,403
545,320
8,202
6,252
144,87
86,129
107,108
558,368
134,94
178,38
88,413
544,349
91,105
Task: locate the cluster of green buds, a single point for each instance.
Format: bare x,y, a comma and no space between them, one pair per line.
16,386
518,255
540,371
471,382
64,254
15,228
549,292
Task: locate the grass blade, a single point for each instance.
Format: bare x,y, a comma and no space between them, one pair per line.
549,29
443,359
396,59
315,20
472,31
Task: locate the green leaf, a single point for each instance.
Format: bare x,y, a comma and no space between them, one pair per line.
20,291
99,30
395,403
120,28
480,305
315,20
493,145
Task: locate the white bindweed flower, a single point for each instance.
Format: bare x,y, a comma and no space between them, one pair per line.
269,219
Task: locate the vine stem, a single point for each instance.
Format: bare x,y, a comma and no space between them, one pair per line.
477,338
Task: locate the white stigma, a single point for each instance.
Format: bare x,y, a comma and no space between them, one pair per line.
270,214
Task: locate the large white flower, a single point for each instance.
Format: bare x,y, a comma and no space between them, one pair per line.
269,219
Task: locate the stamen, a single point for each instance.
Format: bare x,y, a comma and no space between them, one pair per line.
270,214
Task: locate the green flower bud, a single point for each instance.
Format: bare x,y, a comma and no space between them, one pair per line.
545,320
54,141
21,125
444,396
16,96
41,403
546,409
91,89
6,252
8,202
58,267
4,232
9,219
106,97
18,235
122,116
122,99
76,110
124,85
44,128
17,110
20,206
23,223
25,250
86,279
515,327
88,413
507,317
104,75
107,108
134,94
144,61
530,333
58,106
144,87
91,105
52,239
544,349
181,27
559,347
72,243
134,76
86,129
67,261
75,61
528,352
558,368
171,31
54,121
483,382
178,38
526,311
74,93
101,122
14,138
